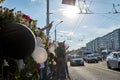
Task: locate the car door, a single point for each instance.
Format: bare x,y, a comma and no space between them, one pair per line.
110,60
115,61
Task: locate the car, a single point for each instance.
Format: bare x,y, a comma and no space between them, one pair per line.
113,60
91,58
76,60
99,57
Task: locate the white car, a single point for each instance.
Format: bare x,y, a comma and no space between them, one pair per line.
113,60
76,60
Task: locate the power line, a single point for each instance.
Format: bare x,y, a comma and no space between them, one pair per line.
111,18
84,3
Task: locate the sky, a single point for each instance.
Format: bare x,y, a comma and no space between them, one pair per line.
77,28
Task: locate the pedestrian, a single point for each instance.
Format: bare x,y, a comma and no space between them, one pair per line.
61,73
66,66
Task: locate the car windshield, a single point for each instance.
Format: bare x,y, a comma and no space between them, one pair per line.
76,57
90,56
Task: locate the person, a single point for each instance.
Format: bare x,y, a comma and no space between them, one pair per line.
66,66
62,66
60,54
39,30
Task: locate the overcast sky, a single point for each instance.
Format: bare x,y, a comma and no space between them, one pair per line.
76,29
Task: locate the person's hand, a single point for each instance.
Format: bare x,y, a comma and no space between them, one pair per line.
50,25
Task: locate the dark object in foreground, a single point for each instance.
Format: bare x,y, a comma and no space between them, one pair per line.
16,40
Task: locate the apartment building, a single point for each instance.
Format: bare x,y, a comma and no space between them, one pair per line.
110,41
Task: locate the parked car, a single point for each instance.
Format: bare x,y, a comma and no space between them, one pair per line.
113,60
76,60
99,57
91,58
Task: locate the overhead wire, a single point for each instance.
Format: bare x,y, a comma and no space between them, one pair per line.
83,16
110,19
80,21
76,26
97,13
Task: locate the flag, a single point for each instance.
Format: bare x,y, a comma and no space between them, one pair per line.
69,2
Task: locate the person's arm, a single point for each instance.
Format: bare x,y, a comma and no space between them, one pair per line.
48,26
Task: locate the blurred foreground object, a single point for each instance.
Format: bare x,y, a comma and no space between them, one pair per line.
39,55
17,40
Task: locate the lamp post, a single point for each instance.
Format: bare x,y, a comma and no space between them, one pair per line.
55,30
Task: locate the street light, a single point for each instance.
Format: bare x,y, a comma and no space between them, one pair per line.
55,29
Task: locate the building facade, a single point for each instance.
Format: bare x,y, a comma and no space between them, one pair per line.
110,42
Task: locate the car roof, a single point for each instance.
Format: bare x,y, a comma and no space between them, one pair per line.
73,56
115,52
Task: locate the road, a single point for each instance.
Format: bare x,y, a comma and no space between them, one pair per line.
93,71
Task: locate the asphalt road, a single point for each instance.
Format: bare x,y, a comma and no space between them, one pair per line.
93,71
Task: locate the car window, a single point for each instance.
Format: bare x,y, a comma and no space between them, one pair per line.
90,56
114,55
111,54
75,56
119,55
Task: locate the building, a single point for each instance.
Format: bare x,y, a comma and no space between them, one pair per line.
110,42
95,44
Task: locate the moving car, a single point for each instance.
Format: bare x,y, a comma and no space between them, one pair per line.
91,58
76,60
113,60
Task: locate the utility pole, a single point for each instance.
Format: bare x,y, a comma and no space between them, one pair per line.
47,33
47,18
